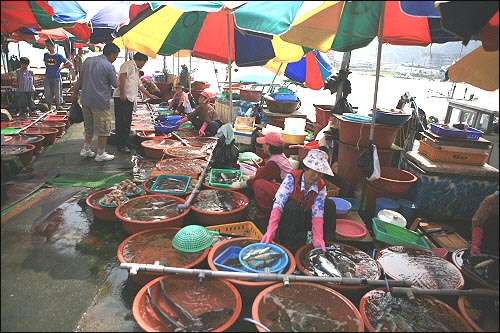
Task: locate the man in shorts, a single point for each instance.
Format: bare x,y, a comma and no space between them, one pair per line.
97,77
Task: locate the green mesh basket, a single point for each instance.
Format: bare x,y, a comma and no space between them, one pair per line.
193,238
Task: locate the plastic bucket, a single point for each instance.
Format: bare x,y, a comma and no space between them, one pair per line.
372,194
386,203
323,114
408,209
295,125
348,155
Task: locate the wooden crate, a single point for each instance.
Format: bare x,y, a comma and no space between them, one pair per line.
447,156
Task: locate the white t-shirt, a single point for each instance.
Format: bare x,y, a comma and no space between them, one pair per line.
132,82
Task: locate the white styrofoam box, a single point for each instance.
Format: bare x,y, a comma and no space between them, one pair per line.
243,137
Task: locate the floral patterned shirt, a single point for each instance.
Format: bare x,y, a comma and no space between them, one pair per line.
286,188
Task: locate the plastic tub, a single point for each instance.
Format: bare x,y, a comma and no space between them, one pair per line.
247,288
274,267
49,134
382,313
386,203
23,152
155,148
100,213
389,118
394,180
343,206
323,113
366,268
214,296
237,201
61,126
312,307
373,193
348,155
481,313
295,125
357,133
421,267
149,246
35,140
167,217
408,209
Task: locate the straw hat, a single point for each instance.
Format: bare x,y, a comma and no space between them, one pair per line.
318,161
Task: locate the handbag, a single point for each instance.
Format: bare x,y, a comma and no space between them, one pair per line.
75,113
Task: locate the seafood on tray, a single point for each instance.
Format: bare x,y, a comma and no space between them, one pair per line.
128,187
114,198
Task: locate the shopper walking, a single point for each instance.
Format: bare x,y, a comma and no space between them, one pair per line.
97,77
129,84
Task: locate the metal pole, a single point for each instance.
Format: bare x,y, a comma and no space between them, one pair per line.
377,73
189,77
228,20
133,268
411,292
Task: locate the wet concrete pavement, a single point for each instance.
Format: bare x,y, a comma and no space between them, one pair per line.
59,270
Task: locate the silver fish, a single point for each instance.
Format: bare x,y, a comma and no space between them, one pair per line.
327,266
256,252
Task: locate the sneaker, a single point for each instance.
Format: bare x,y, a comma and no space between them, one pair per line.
104,157
87,153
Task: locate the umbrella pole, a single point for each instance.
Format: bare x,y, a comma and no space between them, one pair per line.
190,66
374,107
229,64
133,268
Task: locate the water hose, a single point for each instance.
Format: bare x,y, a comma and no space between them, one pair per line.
255,322
133,268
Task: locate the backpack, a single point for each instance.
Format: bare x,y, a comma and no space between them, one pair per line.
225,155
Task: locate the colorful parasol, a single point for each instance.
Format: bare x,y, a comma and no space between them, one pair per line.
312,70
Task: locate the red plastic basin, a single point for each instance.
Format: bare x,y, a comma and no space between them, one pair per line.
148,246
133,226
101,213
215,296
301,300
393,180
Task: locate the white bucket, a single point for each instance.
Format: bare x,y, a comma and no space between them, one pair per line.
295,125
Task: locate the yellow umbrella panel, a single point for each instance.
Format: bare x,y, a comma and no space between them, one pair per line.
478,68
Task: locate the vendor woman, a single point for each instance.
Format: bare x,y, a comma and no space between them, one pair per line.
268,178
300,206
204,118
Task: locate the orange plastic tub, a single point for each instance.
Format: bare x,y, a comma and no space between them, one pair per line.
479,312
35,140
358,134
367,268
134,225
149,246
49,133
247,288
61,126
309,307
384,313
215,301
237,201
100,213
393,180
